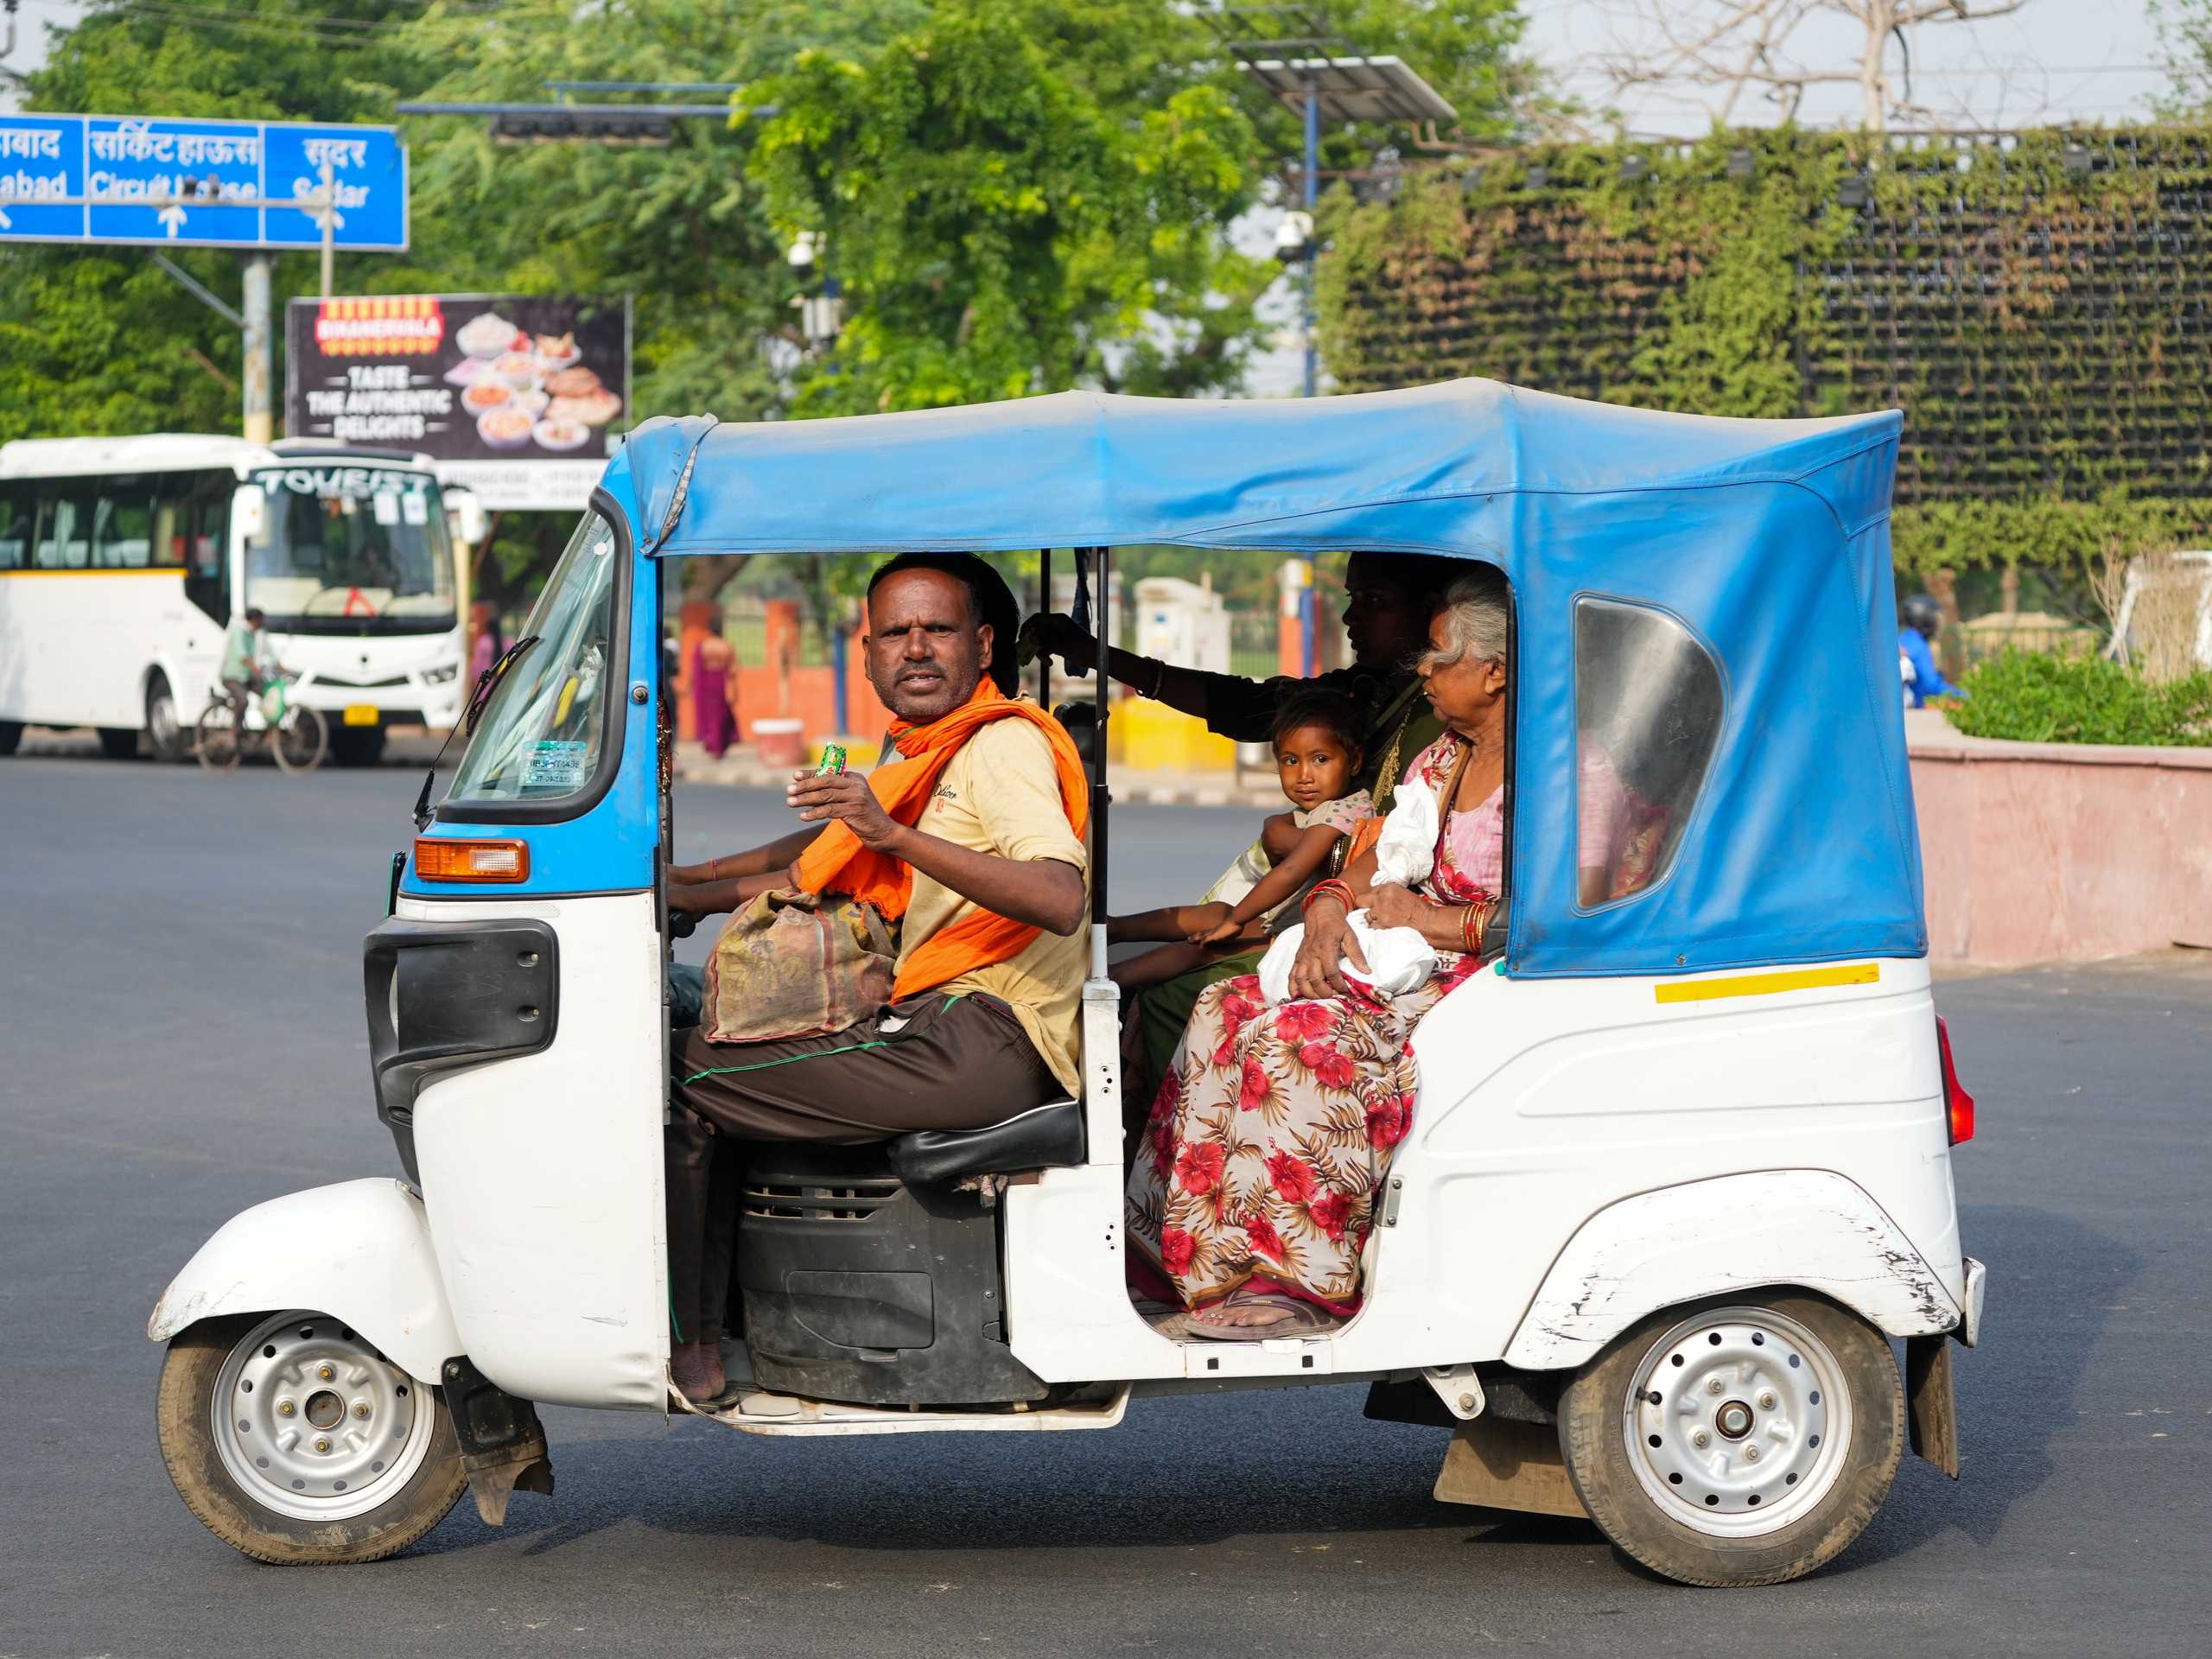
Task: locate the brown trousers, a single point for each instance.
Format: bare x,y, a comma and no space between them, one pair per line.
946,1062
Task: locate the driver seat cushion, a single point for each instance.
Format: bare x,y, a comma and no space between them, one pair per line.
1050,1136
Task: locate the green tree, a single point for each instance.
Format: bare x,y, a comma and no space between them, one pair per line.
1000,231
103,340
681,227
2185,30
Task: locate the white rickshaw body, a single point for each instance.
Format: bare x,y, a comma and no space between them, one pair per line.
1719,1087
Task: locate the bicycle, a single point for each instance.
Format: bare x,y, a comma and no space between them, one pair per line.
302,735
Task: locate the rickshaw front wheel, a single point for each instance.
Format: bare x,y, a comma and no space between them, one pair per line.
295,1441
1740,1441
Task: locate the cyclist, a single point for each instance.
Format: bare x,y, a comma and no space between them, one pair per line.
246,664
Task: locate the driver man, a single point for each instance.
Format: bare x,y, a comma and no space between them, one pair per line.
991,953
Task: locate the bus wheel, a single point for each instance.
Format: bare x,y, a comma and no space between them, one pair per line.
1744,1441
356,746
163,734
11,733
294,1440
119,742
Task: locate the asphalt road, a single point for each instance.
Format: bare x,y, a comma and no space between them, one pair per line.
180,1037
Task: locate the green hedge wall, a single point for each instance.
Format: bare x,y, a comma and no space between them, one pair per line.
2035,303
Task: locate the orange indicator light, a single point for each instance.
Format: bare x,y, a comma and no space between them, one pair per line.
441,859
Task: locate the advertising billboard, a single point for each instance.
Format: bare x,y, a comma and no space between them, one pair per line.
209,184
512,396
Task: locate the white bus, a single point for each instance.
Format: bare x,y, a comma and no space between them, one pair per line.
124,561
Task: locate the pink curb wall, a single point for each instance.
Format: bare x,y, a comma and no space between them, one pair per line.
2039,852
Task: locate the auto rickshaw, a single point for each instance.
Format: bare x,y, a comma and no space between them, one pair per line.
1679,1169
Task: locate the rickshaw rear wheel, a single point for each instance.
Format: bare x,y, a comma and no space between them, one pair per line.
323,1451
1744,1441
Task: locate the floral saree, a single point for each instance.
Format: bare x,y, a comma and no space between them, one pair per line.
1274,1128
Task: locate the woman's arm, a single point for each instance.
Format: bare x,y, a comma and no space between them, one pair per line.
1448,927
1056,635
1279,883
1328,936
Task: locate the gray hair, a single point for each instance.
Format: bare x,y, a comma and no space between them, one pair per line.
1475,619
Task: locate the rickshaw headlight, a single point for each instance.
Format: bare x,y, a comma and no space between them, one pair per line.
441,859
1958,1104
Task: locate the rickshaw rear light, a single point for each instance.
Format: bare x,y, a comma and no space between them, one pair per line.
442,860
1958,1104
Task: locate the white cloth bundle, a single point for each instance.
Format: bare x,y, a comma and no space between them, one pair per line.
1406,852
1398,958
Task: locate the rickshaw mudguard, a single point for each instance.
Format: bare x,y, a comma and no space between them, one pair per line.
1808,1229
359,1251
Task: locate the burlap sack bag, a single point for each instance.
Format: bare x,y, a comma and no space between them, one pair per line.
793,964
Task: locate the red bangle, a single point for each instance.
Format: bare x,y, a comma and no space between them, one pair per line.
1341,890
1474,922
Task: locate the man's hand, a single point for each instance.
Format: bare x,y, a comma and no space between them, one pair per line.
1038,892
1391,905
845,796
1052,634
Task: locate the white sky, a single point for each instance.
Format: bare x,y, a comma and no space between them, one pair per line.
2053,61
30,37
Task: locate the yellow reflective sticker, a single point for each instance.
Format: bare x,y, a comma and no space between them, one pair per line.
1794,979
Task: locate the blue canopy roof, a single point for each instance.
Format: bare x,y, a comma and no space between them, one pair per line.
1767,539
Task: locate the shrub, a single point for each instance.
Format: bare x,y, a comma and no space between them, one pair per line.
2033,698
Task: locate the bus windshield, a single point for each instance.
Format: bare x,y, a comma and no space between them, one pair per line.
351,550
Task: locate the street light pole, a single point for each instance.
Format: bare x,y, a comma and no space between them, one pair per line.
258,370
328,213
1313,166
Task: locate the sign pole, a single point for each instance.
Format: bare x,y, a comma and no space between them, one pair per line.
329,225
259,365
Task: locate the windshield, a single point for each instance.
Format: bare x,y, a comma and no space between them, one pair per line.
351,550
542,733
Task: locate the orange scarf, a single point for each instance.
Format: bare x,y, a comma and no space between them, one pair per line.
838,862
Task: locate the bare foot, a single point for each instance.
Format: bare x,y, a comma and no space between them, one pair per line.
1243,1316
696,1368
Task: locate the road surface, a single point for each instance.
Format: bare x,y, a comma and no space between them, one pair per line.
180,1037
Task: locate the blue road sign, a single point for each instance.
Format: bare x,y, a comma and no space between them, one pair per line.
218,184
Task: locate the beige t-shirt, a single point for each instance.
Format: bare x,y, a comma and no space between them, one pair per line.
999,793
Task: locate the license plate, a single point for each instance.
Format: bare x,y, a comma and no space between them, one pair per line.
361,714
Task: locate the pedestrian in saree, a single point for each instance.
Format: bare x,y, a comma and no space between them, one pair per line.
1251,1200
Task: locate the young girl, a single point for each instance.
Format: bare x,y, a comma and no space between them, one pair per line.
1317,745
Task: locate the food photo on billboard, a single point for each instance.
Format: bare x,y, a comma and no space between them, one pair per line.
514,396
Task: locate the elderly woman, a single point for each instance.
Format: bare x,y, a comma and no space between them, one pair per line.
1250,1200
